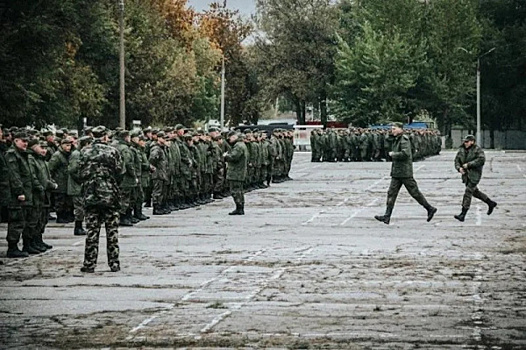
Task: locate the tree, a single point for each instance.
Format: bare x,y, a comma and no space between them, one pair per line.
503,72
296,50
227,30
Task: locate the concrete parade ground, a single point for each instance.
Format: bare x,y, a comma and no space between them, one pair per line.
307,267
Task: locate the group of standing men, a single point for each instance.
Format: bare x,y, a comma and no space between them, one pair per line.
364,145
105,177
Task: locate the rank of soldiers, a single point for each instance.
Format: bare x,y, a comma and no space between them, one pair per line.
108,176
364,145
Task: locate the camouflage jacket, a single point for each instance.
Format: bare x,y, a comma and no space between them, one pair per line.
237,160
474,157
58,166
100,167
23,180
402,166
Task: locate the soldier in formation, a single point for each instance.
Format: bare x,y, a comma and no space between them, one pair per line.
365,145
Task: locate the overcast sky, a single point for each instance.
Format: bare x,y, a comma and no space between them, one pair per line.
245,7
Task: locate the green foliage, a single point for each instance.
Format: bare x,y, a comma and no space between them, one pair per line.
296,50
399,57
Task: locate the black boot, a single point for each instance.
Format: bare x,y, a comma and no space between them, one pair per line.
157,210
148,204
491,205
386,218
28,248
36,245
462,216
431,212
130,217
79,231
237,211
138,213
41,241
62,218
125,221
14,252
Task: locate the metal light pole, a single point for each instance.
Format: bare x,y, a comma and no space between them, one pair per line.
479,132
122,109
223,94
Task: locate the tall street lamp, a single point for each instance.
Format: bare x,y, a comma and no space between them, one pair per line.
479,132
122,109
223,94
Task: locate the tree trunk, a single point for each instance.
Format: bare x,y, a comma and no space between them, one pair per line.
491,138
300,111
323,109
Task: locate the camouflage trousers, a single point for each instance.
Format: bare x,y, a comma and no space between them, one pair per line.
78,208
411,186
219,180
63,203
127,194
472,191
94,219
22,222
43,219
158,192
236,189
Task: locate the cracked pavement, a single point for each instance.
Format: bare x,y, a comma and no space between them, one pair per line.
307,267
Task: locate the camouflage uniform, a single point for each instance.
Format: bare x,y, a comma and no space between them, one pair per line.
473,157
237,160
402,174
100,165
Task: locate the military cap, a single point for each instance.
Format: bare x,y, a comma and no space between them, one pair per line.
155,131
21,135
123,133
187,137
147,129
248,131
47,132
59,133
179,127
231,133
469,138
43,144
135,133
255,130
213,129
33,142
143,138
99,131
117,129
65,141
85,139
398,125
65,130
88,129
161,134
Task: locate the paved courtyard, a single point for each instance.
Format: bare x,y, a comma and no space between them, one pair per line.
307,267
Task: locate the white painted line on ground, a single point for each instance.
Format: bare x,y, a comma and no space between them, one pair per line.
148,320
479,215
519,167
353,215
263,285
368,189
191,294
77,243
315,216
